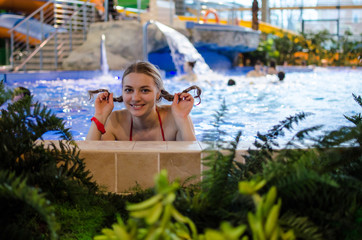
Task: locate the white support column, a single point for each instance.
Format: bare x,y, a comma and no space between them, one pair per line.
265,12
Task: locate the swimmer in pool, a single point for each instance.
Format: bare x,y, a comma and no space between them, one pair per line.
143,119
20,93
257,72
272,69
189,75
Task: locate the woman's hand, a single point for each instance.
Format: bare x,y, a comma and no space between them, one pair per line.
182,105
103,106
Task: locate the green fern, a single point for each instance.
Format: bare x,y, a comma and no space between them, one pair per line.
216,135
14,189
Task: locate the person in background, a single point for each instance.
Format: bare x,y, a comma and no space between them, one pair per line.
272,69
20,93
143,119
231,82
281,75
189,75
257,72
324,63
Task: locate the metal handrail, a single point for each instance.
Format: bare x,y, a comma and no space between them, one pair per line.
145,39
67,23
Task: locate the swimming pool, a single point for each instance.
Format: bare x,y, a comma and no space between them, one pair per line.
254,104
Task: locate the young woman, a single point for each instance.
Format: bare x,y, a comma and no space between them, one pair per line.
143,119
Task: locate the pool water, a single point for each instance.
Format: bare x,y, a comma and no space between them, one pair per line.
254,104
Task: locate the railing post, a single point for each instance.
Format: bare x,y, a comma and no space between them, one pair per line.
145,39
139,10
70,34
106,10
84,19
12,50
55,51
41,40
27,42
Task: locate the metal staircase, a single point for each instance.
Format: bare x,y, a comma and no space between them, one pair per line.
44,38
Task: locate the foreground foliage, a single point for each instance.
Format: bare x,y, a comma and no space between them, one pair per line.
45,190
317,178
310,188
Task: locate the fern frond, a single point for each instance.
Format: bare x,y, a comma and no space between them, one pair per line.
303,227
358,99
15,189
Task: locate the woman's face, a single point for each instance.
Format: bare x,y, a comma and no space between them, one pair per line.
140,93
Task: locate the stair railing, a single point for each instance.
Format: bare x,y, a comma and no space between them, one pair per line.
66,16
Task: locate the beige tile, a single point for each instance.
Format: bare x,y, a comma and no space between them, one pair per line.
106,146
150,146
181,165
136,168
102,167
183,146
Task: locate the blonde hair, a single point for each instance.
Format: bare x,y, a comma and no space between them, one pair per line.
146,68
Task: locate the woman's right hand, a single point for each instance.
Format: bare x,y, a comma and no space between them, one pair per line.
103,106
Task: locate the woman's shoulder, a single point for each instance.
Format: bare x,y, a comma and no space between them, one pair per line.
118,114
164,108
165,111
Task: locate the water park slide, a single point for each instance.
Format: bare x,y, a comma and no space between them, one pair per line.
8,21
263,27
25,6
29,6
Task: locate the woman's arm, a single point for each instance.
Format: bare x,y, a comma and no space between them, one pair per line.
103,108
181,108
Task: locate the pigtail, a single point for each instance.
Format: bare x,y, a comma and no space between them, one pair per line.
164,94
92,92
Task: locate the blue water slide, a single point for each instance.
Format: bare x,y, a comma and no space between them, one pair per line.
32,27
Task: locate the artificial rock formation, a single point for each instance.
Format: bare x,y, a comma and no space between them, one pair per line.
123,45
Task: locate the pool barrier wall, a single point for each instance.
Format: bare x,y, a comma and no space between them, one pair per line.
119,166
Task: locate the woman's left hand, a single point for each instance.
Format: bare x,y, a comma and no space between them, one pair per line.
182,105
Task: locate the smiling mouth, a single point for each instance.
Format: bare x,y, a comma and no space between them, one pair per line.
137,106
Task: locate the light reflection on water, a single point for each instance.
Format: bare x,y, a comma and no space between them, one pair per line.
253,104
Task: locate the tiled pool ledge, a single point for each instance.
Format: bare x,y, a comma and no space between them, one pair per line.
119,166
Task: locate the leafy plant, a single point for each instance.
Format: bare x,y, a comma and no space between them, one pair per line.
35,176
16,194
152,218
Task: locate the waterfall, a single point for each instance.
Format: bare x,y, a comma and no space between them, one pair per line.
104,63
182,50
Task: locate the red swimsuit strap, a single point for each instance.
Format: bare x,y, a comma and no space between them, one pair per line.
159,119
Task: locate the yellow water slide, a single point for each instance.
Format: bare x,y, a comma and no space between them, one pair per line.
269,29
263,27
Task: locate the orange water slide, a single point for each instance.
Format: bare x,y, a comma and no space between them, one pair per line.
99,4
25,6
29,6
